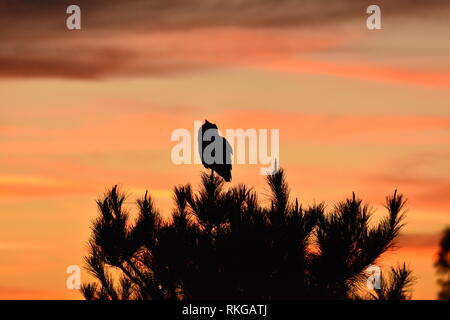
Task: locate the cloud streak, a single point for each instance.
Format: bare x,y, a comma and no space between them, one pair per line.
132,131
163,38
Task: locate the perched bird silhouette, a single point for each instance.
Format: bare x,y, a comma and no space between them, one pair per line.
215,151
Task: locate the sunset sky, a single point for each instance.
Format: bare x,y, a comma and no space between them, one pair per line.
82,110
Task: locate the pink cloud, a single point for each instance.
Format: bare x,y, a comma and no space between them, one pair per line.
395,75
144,130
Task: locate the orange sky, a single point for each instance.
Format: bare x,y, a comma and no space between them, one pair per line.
358,110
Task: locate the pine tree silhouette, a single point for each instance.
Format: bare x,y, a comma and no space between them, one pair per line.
442,265
223,244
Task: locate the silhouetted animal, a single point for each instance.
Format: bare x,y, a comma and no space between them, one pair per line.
210,141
